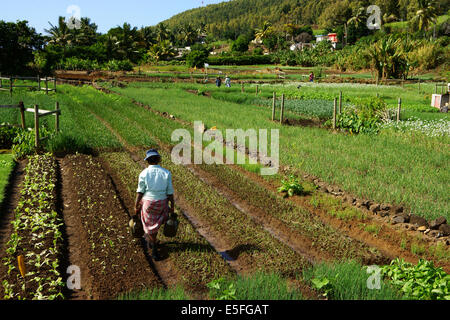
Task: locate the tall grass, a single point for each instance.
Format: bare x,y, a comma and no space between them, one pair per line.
260,286
348,281
176,293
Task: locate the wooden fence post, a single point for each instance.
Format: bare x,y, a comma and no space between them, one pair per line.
22,113
334,113
39,82
340,102
57,117
10,86
46,85
36,126
54,83
399,109
282,109
274,105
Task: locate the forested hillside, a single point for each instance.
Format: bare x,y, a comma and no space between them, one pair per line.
230,19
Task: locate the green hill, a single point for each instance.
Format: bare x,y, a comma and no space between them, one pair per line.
227,20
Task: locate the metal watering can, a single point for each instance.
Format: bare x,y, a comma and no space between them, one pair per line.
171,226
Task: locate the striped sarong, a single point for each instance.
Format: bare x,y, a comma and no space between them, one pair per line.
154,214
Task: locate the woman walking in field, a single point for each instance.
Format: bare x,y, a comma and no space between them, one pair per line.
154,199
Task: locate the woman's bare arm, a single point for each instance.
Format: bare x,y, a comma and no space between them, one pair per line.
138,205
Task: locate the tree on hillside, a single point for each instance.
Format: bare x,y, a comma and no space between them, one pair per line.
265,30
425,15
359,17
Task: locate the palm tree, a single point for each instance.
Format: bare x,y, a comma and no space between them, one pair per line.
188,34
264,31
60,34
162,32
425,15
358,18
161,51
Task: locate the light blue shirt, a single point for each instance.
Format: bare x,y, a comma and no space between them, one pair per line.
155,183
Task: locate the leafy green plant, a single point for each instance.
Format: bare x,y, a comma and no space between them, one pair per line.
364,117
221,289
291,187
423,281
323,284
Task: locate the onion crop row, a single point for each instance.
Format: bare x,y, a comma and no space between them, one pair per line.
36,236
324,237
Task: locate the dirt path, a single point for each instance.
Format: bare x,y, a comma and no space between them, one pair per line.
11,199
75,235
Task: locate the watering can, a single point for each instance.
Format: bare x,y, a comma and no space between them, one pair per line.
171,226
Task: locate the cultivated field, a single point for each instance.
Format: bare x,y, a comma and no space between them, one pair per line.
71,207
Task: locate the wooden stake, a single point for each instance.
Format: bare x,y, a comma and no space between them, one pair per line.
22,113
36,126
57,117
334,113
274,103
399,109
282,109
340,102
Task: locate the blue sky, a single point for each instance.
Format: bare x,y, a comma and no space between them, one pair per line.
106,14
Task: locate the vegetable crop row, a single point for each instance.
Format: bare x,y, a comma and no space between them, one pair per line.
36,237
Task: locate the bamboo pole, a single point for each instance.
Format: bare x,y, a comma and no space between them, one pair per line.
22,113
274,103
282,109
334,113
57,117
36,126
399,109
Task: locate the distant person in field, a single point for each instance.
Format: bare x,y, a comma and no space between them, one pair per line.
228,82
311,77
218,82
154,199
